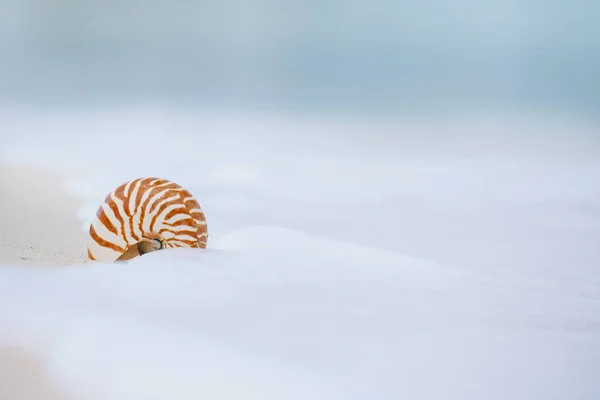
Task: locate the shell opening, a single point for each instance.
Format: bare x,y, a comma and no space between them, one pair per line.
141,248
149,246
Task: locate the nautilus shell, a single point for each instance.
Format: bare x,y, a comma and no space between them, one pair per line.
144,215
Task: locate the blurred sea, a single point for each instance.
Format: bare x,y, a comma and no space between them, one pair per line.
346,58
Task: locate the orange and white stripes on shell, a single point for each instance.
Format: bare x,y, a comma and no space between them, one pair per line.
146,210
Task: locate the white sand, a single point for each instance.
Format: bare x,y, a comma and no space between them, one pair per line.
38,223
38,228
22,377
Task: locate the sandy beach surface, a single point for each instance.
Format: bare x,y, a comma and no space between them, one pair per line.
23,377
34,206
38,228
439,275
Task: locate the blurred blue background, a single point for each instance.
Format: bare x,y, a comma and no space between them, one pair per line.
393,57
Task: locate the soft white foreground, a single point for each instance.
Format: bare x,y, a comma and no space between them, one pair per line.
307,289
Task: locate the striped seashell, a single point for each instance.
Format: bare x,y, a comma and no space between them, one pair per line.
144,215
